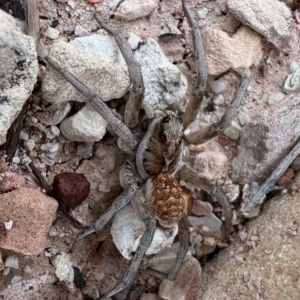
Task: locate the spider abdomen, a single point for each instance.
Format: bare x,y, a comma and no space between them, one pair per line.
167,200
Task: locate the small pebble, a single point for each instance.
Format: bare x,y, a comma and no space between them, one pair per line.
205,228
72,188
80,31
243,118
202,13
16,279
209,241
219,100
12,262
71,4
52,33
218,86
6,271
8,225
293,66
233,131
27,270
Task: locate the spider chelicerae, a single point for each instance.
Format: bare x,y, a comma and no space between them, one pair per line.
154,166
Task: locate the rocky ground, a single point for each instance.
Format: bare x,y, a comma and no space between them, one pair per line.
62,134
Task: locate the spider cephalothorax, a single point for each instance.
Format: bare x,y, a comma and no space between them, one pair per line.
155,191
160,149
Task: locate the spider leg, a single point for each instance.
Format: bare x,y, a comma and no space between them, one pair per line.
193,106
135,74
215,129
145,243
191,175
184,243
119,128
130,188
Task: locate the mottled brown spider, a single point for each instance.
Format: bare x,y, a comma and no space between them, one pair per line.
150,176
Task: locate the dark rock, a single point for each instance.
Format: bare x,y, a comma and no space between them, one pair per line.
72,188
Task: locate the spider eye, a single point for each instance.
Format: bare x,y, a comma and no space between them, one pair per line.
163,136
166,119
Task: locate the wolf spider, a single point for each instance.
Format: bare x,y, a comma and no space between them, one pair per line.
155,153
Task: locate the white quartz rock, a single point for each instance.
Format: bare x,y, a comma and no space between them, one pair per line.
128,227
85,126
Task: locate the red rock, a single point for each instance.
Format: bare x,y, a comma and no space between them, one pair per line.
187,284
286,178
3,165
32,213
11,181
201,208
224,140
94,1
72,188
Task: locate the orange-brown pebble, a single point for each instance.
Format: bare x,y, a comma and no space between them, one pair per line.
94,1
188,199
286,178
168,202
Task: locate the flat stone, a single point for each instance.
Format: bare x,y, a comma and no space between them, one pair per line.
134,9
164,260
224,52
18,72
202,208
270,18
32,213
186,286
208,225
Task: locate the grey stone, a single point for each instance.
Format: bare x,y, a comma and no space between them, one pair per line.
164,260
265,141
270,18
164,84
80,31
132,9
292,83
243,118
18,72
212,223
12,261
